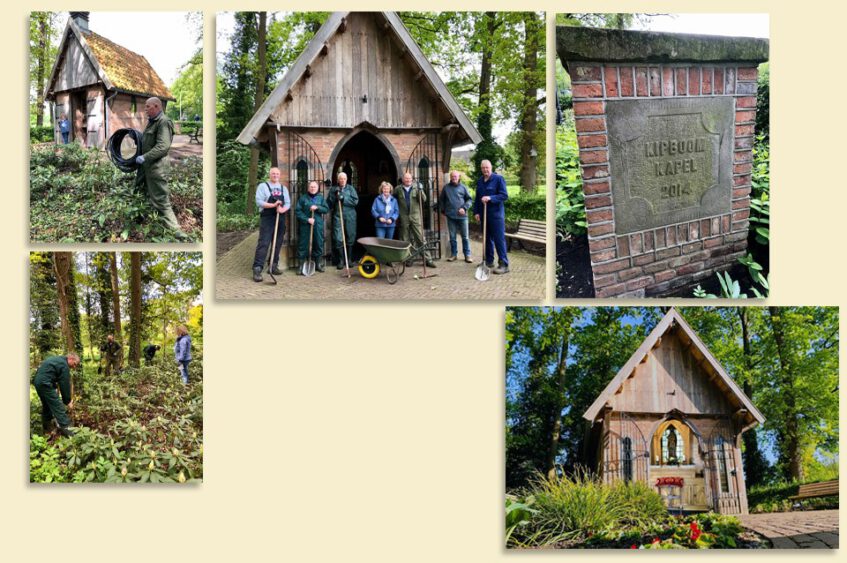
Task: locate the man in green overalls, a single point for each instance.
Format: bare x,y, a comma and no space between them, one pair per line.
411,199
55,371
155,144
111,350
348,197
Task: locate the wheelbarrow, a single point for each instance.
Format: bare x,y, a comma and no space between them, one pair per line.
389,254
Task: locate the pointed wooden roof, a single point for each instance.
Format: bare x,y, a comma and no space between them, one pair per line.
333,24
673,320
116,66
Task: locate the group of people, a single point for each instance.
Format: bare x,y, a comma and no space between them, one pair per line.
395,211
52,379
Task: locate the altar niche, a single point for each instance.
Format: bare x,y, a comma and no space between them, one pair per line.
673,412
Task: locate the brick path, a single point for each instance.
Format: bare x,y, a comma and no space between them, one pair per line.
814,529
455,280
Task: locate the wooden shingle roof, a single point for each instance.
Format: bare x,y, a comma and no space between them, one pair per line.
116,66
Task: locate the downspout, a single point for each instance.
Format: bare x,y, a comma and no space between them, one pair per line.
106,115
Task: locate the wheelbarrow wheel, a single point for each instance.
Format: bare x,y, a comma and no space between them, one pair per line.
369,267
391,275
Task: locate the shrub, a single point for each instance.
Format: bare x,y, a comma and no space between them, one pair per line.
570,200
44,134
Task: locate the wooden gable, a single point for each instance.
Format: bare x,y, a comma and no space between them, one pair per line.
73,67
673,369
668,378
361,67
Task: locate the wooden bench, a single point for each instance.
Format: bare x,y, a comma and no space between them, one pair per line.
529,230
194,136
812,490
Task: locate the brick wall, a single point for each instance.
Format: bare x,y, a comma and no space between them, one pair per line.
121,115
656,261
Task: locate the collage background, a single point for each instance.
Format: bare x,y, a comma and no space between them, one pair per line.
351,447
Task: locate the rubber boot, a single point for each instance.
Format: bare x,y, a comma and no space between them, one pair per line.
257,274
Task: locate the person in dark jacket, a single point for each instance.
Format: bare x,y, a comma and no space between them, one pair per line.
111,350
64,128
149,352
310,210
346,197
154,166
182,351
491,193
454,201
54,372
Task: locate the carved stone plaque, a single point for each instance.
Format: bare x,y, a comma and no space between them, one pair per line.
671,160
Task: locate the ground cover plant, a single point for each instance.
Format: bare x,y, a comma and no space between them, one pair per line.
580,512
140,425
78,195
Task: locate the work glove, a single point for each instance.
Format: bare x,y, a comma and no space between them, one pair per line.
139,159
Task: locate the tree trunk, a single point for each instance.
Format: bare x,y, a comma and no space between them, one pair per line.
754,460
116,296
135,310
62,267
89,308
791,454
41,65
486,149
529,111
555,435
253,171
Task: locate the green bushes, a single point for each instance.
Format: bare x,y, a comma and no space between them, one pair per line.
776,497
570,200
43,134
579,511
77,195
142,425
526,207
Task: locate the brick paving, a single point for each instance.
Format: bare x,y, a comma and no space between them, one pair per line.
814,529
455,280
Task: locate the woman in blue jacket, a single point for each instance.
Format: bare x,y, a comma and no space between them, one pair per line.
182,351
385,211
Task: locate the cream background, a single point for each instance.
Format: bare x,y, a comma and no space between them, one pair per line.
375,452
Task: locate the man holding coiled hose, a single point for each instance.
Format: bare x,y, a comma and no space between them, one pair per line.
153,163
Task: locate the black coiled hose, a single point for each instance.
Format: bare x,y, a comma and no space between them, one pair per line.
114,148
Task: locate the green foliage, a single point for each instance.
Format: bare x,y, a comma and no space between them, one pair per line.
763,90
583,512
77,195
760,213
570,200
188,90
526,207
776,497
142,425
43,134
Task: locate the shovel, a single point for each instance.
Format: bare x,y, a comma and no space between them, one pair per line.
420,203
343,238
309,265
273,246
483,272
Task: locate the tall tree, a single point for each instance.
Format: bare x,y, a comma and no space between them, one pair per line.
116,296
63,270
44,306
42,36
487,149
103,286
135,320
755,465
259,97
533,31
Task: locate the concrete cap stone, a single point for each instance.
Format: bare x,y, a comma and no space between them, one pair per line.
588,44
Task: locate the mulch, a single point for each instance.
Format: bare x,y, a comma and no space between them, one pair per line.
573,275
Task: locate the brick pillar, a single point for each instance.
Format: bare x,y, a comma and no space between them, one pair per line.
665,127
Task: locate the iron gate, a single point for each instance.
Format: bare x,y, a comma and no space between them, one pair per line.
722,473
304,167
625,453
424,168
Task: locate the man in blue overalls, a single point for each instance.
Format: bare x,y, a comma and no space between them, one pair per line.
491,190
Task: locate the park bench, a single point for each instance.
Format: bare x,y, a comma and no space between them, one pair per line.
812,490
529,230
194,136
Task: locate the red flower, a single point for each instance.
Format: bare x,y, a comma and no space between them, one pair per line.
695,531
633,546
655,541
